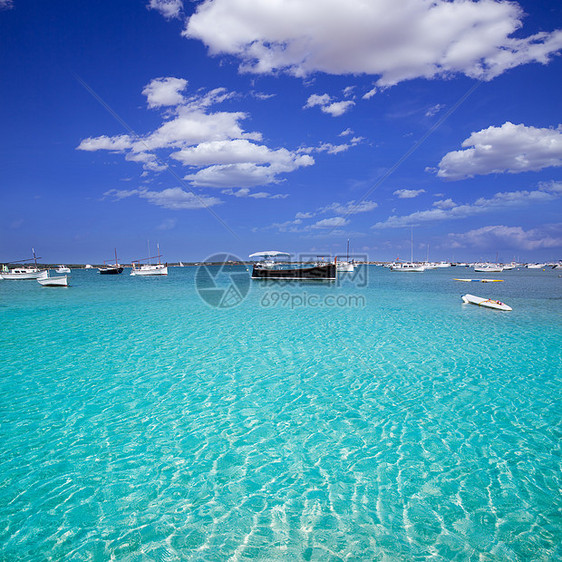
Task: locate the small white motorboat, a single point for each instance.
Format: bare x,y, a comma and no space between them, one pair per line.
54,281
488,303
62,269
488,268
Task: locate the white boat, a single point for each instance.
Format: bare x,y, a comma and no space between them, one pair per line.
89,266
411,265
54,281
536,265
181,264
443,264
345,266
407,266
22,272
148,268
488,268
62,269
488,303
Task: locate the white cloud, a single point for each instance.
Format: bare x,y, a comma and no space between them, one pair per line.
165,91
168,8
408,193
394,40
333,108
330,223
349,208
117,143
509,148
245,192
445,204
167,224
512,237
225,154
174,198
499,201
370,94
237,151
433,110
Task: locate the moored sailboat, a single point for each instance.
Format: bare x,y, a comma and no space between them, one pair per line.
110,269
22,272
148,268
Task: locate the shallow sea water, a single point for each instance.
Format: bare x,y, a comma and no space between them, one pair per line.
139,423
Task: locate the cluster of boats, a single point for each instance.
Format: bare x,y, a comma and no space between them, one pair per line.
138,267
478,267
44,277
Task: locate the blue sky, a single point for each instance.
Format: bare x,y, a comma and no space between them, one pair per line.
238,126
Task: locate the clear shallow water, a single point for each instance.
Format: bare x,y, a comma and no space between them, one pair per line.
138,423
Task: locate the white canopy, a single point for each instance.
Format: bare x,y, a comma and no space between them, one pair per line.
269,254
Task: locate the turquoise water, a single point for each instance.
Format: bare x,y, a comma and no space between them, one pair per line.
138,423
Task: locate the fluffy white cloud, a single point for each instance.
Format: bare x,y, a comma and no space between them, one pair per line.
238,151
165,91
333,222
394,40
174,198
168,8
512,237
333,108
445,204
408,193
509,148
448,210
214,142
117,143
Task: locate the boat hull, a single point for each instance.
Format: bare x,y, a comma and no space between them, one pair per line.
54,281
150,271
321,272
487,303
28,275
110,270
406,267
345,267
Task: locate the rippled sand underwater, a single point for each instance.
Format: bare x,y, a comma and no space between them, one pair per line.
138,423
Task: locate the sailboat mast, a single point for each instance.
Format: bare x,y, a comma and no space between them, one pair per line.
347,254
412,245
115,256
